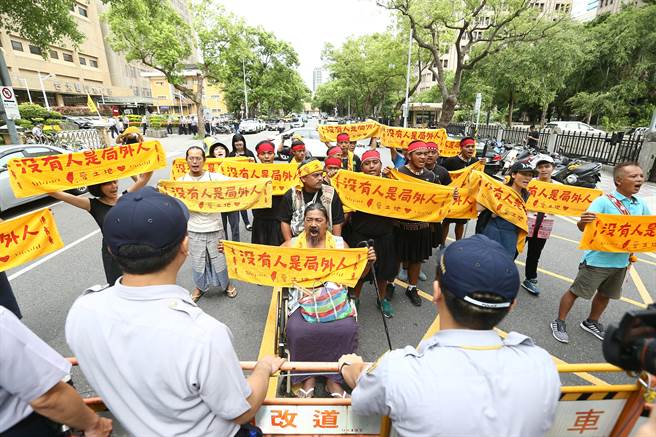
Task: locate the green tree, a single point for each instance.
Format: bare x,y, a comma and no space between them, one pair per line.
476,29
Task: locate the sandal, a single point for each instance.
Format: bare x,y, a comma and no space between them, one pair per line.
231,291
197,294
305,394
342,395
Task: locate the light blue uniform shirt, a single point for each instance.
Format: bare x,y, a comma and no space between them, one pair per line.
603,205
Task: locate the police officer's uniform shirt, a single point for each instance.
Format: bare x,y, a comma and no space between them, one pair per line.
28,369
444,389
162,365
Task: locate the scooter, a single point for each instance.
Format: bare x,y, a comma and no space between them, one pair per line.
578,173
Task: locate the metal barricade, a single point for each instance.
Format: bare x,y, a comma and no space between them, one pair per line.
79,139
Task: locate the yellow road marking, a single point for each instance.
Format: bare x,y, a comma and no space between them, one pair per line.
644,294
421,293
268,337
653,255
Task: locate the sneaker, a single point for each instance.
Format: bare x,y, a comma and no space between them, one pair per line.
403,275
422,276
559,331
413,295
387,309
593,327
531,285
249,227
389,291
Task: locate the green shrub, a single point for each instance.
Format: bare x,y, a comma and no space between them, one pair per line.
24,123
31,111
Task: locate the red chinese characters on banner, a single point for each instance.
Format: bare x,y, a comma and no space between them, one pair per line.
283,176
586,421
560,199
220,196
620,233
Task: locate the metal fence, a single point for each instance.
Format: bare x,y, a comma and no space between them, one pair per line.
76,139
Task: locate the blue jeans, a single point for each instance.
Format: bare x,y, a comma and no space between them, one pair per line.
233,217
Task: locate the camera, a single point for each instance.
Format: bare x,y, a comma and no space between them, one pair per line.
632,344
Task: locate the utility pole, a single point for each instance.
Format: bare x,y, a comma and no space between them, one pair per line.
6,81
406,106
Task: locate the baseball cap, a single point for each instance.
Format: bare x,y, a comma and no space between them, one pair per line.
145,217
479,265
522,167
542,158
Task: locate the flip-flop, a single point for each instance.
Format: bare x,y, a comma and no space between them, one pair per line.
231,291
342,395
196,297
304,394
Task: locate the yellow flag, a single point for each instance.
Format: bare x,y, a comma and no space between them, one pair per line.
450,147
287,266
220,196
27,238
179,167
401,137
418,201
620,233
356,131
460,178
560,199
91,105
45,174
283,176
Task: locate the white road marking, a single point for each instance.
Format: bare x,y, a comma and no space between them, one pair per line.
52,255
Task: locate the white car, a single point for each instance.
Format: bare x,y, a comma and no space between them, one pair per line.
572,126
249,127
297,123
7,198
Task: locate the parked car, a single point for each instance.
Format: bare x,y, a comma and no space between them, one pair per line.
297,123
88,122
572,126
250,126
7,198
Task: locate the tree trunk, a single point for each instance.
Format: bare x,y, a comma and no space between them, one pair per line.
543,116
200,113
511,106
448,109
588,117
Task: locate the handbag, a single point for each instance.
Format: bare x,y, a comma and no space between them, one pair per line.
325,304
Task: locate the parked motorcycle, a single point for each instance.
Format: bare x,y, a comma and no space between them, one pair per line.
577,173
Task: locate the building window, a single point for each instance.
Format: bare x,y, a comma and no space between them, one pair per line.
67,57
17,45
83,61
35,50
54,54
445,63
82,11
93,63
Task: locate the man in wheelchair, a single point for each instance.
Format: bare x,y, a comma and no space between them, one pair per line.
321,324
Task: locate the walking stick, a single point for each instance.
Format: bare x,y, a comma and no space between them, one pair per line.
368,244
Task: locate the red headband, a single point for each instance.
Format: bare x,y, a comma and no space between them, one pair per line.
431,146
264,147
417,145
467,141
296,147
370,154
334,151
342,137
335,162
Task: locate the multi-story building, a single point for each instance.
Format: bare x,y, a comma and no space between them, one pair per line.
614,6
168,100
317,78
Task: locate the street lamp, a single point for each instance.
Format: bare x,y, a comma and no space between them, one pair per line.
43,90
27,88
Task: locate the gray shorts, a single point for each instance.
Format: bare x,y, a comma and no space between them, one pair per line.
607,280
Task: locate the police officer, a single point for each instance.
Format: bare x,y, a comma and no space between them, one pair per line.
162,365
32,394
466,379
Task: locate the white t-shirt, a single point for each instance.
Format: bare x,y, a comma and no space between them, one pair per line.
201,221
162,365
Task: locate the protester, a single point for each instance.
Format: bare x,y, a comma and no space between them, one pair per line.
7,297
311,190
216,149
204,230
465,380
331,166
325,340
539,228
239,149
533,137
496,227
601,274
266,225
413,239
298,151
350,161
33,397
105,195
364,227
464,159
182,376
443,178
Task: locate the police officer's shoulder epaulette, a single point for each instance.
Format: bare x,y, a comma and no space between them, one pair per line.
182,305
95,289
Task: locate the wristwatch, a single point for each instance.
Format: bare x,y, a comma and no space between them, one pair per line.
341,366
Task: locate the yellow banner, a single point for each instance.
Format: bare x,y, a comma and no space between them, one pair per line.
220,196
620,233
283,176
502,201
287,266
45,174
560,199
356,131
460,178
401,137
450,147
27,238
418,201
180,167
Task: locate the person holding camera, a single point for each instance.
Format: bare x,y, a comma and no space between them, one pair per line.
465,380
601,274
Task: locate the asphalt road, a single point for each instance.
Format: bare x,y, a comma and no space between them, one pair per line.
46,290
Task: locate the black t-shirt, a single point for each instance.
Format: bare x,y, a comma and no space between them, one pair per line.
357,163
531,142
286,208
426,175
247,153
370,224
442,175
268,213
455,163
98,211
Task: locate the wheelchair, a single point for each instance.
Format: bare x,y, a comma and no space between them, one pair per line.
280,337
